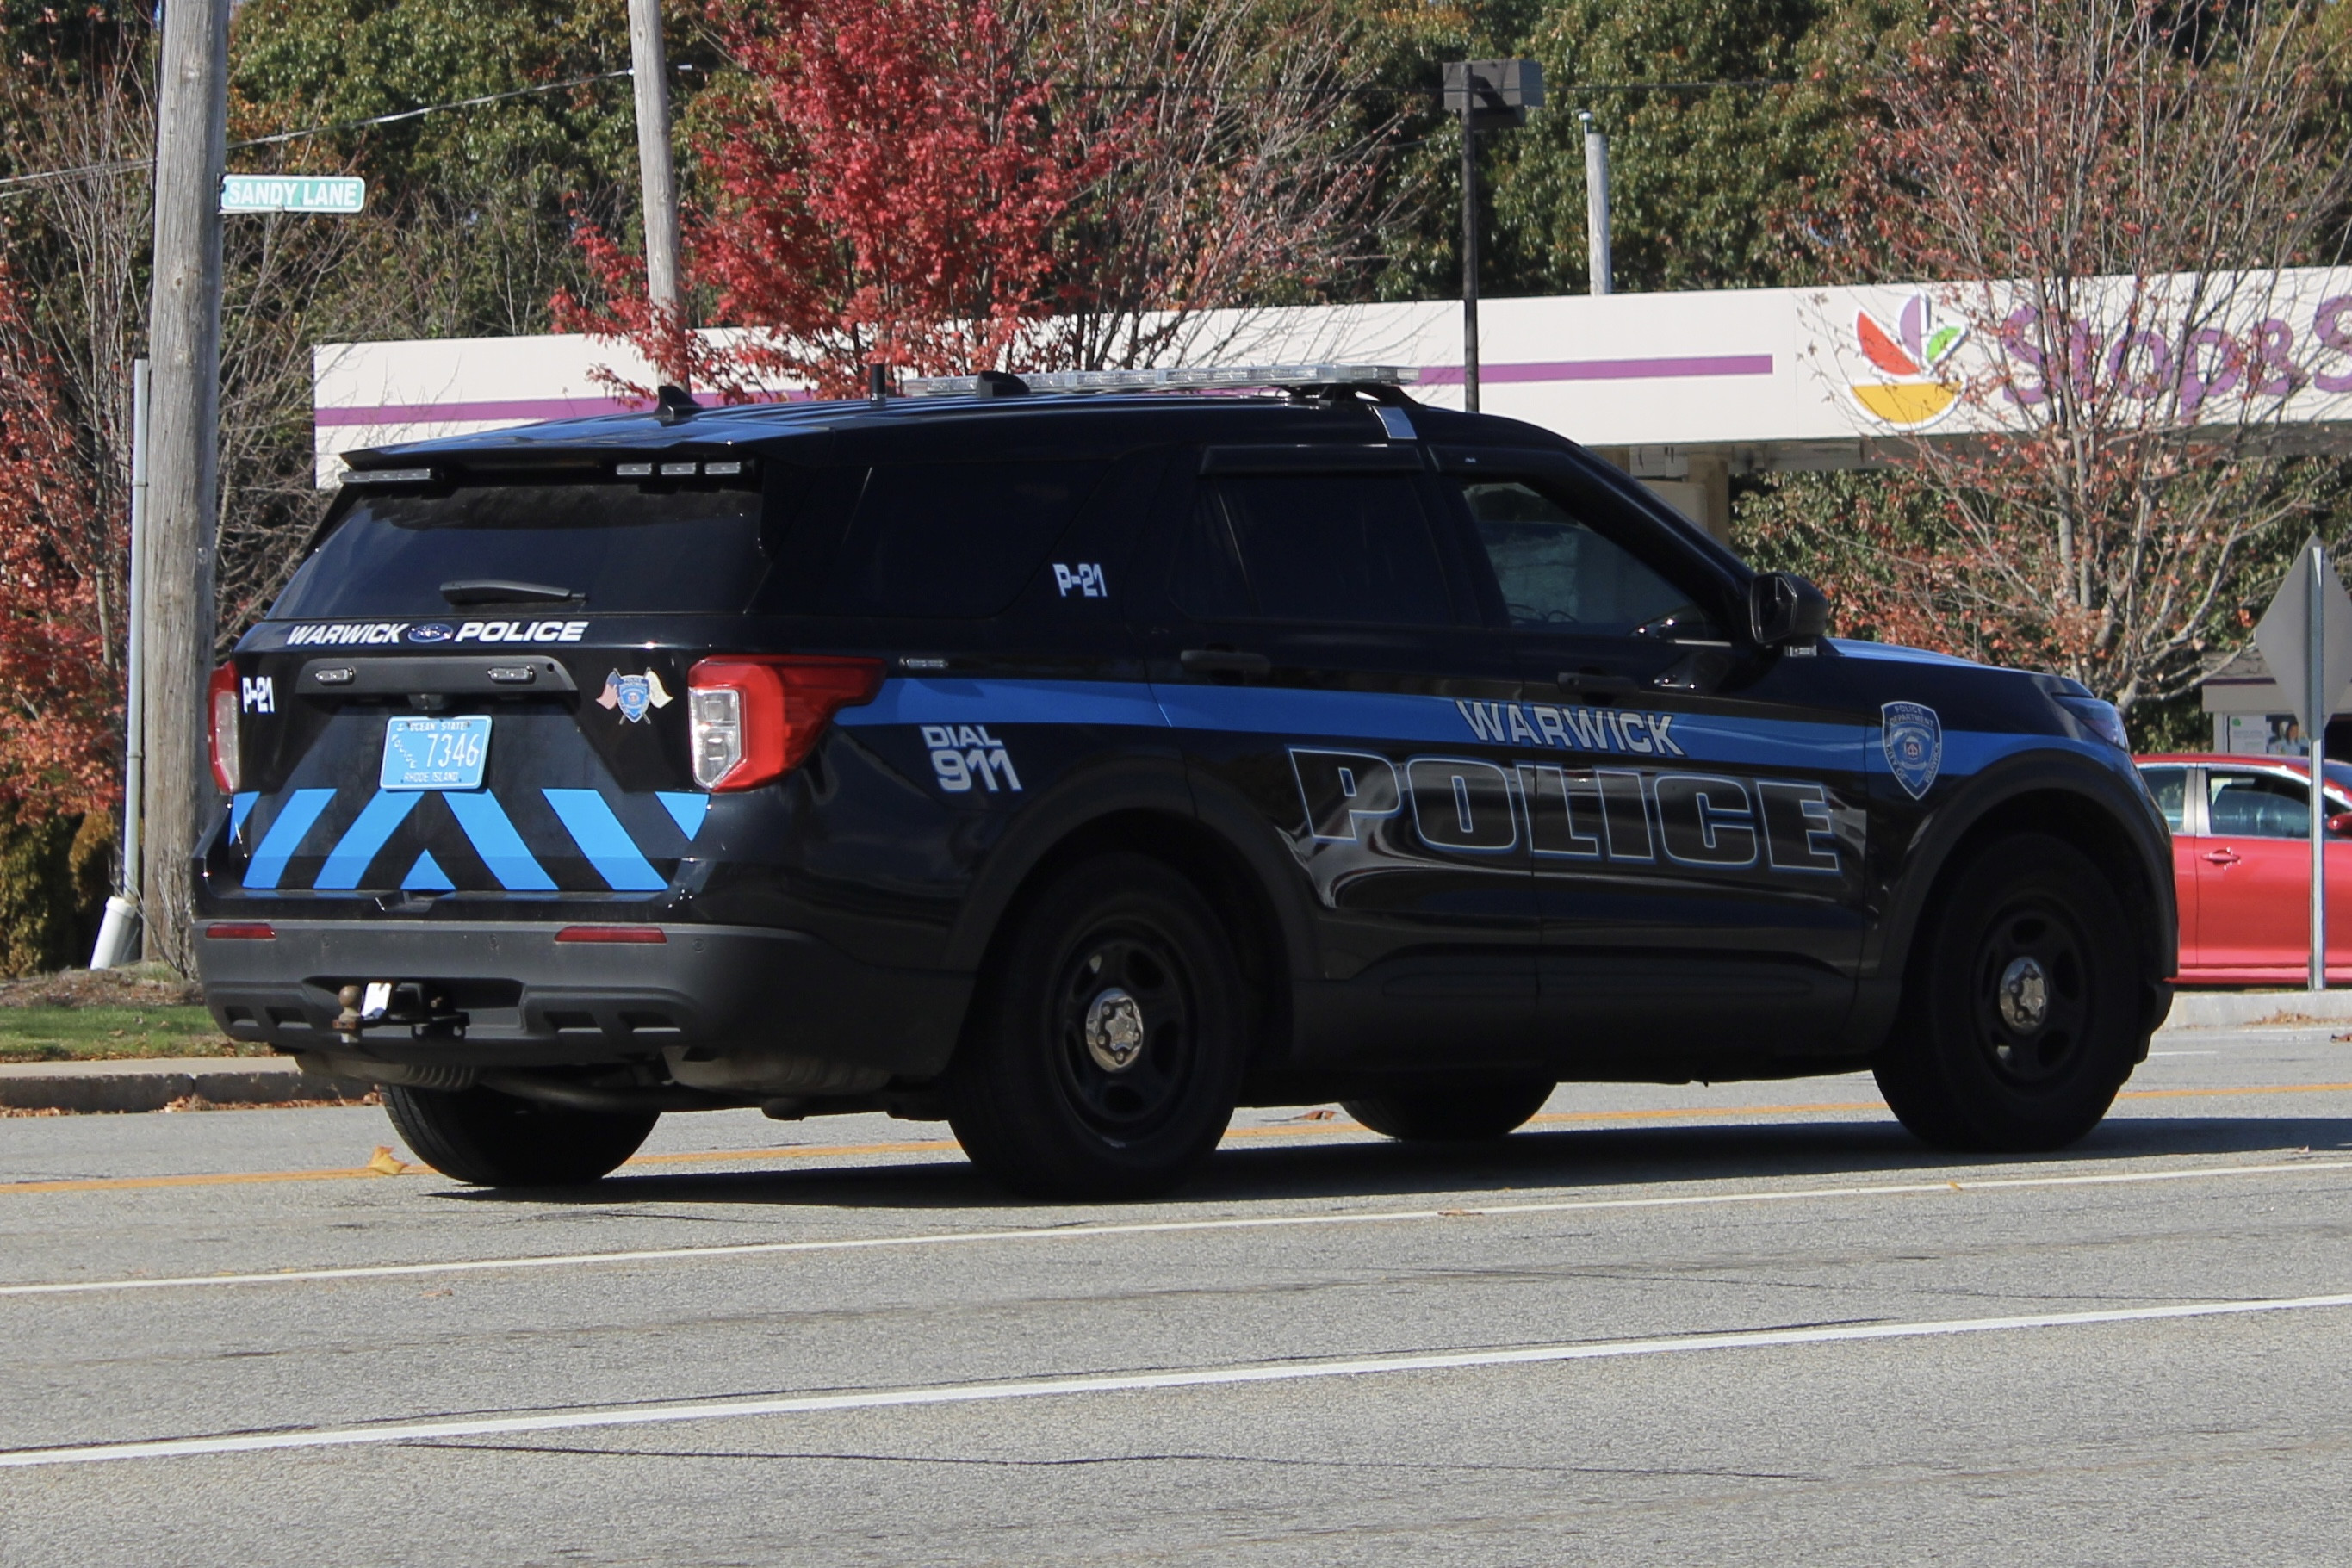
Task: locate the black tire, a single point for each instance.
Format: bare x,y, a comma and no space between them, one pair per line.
1965,1071
1034,1104
489,1139
1452,1112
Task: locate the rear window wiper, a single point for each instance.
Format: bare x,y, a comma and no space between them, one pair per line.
500,590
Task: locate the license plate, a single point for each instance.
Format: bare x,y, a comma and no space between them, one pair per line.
434,753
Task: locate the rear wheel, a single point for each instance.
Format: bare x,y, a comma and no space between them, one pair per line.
490,1139
2024,1014
1104,1061
1457,1113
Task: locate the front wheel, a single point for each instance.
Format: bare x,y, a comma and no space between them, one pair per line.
1103,1061
489,1139
2024,1013
1458,1112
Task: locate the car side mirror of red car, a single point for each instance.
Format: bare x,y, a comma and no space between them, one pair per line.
2340,824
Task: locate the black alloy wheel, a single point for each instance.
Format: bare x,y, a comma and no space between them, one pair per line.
1105,1054
2024,1008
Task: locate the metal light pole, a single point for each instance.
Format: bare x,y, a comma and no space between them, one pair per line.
118,932
1489,94
2320,703
1596,202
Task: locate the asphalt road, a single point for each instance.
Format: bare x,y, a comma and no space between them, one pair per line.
1750,1324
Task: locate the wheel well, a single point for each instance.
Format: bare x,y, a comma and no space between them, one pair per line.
2077,820
1202,858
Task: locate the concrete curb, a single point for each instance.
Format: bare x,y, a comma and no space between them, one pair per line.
152,1084
2235,1010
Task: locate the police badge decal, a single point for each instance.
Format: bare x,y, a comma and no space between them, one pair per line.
1914,738
634,695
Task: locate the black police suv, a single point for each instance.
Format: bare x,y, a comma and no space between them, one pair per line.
1076,768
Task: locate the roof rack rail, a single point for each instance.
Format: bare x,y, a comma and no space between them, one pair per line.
1196,378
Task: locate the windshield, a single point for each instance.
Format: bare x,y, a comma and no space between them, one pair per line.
601,546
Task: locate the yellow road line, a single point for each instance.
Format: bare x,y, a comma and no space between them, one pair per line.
937,1145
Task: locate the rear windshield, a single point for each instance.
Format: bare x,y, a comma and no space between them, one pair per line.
618,547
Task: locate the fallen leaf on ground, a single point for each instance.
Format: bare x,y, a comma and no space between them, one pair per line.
382,1163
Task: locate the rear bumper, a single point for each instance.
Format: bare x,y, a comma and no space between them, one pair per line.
530,1000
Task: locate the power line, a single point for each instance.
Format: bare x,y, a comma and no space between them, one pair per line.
127,165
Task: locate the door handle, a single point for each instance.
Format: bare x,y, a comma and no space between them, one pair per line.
1592,683
2222,857
1224,661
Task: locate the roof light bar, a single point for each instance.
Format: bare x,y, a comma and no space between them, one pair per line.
387,476
1176,379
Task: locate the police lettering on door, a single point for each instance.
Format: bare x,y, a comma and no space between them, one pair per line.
1620,816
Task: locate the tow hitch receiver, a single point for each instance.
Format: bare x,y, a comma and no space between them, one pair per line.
419,1004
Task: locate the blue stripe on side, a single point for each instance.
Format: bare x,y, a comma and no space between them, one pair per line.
686,807
239,808
284,837
942,700
348,861
494,839
604,842
1970,751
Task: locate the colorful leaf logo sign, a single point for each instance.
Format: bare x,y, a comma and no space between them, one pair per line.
1914,354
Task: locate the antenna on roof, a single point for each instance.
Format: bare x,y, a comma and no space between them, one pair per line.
672,404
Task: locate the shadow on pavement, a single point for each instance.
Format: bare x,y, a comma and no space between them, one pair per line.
1537,1160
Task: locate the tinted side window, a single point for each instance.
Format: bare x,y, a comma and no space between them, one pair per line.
1558,575
2171,788
953,541
1331,548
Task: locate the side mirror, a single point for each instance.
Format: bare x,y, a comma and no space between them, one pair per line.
2340,825
1784,608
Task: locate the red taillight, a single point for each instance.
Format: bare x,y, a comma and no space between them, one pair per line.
241,931
754,719
220,701
610,934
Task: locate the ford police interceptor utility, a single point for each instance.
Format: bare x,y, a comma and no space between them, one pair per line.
1075,762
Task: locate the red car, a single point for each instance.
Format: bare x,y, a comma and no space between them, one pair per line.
2242,861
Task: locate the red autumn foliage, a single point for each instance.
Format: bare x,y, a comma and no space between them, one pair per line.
57,691
887,185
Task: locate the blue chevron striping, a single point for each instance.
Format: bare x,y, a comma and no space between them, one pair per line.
285,836
239,808
426,876
494,838
686,807
348,861
604,842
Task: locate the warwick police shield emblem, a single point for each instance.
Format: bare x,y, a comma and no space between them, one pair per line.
1914,738
633,694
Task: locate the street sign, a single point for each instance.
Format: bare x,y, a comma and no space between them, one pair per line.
2307,637
2284,635
334,194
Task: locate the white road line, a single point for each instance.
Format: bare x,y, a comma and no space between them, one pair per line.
1146,1227
2184,1053
1201,1377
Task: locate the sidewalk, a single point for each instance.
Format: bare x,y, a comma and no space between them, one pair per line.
153,1082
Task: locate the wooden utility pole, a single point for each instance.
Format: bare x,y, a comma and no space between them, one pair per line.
183,479
649,64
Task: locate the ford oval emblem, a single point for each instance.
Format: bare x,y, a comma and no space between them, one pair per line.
431,632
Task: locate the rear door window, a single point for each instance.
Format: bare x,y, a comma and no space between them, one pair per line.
2256,806
953,541
615,548
1317,547
2171,788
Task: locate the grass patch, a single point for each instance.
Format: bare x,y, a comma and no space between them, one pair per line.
39,1033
